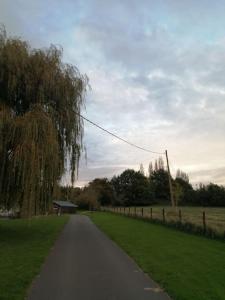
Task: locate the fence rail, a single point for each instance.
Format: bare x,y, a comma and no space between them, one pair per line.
175,218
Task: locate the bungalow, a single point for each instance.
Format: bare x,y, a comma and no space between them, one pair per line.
64,207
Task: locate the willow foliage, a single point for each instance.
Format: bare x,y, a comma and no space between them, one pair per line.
40,129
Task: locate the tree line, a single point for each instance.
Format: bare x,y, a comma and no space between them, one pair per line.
135,188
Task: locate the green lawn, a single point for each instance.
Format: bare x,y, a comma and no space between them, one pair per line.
188,267
23,248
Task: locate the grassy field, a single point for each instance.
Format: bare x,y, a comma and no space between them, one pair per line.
215,217
23,248
189,267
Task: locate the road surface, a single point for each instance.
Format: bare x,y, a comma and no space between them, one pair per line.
85,264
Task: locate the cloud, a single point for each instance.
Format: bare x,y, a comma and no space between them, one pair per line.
157,72
205,176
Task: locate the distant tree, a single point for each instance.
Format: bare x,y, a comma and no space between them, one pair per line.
183,191
210,195
88,199
104,190
142,170
150,169
40,97
182,175
160,163
68,193
156,165
178,192
160,185
98,192
132,188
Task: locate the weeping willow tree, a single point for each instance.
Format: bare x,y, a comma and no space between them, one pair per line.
40,127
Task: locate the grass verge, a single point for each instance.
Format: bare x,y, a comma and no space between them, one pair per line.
186,266
23,248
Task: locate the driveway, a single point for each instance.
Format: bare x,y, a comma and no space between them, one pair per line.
85,264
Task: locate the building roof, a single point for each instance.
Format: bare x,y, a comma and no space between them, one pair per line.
65,204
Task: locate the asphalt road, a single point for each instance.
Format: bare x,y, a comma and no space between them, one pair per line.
85,264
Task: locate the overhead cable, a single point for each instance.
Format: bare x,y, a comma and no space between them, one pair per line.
119,138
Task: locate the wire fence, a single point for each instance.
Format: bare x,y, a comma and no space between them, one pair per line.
209,222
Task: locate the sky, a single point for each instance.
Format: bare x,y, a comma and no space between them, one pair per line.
157,76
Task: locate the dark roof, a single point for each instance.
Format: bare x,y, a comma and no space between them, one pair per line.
65,204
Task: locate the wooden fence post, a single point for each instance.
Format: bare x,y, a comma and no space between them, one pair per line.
142,212
129,211
204,221
124,210
135,211
151,213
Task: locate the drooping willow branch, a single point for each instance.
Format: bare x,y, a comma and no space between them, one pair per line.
39,125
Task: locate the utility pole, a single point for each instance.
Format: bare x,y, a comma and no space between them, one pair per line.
170,181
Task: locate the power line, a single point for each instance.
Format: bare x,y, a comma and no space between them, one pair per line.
119,138
138,147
